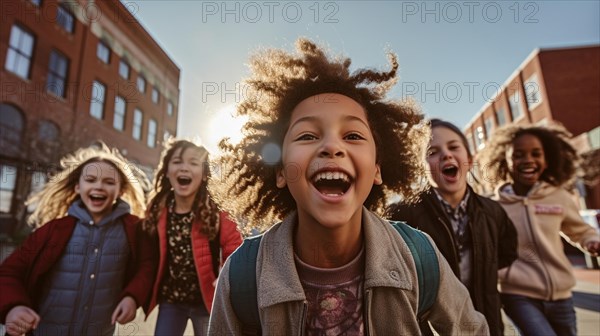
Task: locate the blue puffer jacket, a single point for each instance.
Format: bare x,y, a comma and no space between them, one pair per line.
83,287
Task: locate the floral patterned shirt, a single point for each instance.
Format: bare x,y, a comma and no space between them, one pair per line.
335,297
180,283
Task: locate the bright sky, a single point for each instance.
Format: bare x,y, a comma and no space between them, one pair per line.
453,55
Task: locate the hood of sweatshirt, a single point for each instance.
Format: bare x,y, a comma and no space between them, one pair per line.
541,189
79,211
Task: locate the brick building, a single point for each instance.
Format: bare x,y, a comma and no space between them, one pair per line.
552,85
75,72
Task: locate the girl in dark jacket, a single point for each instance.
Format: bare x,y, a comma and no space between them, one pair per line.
473,232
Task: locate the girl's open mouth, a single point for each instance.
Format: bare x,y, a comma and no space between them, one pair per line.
332,183
450,171
184,180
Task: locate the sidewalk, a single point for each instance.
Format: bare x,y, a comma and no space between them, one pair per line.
586,295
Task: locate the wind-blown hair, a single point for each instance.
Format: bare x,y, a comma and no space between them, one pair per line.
203,207
246,186
561,158
59,193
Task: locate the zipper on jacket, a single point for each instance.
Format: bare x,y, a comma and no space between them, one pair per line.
453,241
303,319
548,279
367,318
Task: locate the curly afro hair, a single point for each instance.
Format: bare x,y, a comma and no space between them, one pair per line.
245,185
561,158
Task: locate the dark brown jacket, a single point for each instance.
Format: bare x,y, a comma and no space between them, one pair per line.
494,245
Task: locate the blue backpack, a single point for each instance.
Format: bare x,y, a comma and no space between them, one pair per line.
243,294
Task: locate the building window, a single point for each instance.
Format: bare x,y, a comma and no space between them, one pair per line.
166,136
119,118
124,69
141,84
103,52
479,138
151,140
8,176
515,106
97,100
532,91
57,73
155,95
20,50
11,130
471,144
65,19
36,2
489,127
48,138
48,131
137,124
170,108
500,116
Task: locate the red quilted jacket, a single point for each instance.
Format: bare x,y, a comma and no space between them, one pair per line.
229,240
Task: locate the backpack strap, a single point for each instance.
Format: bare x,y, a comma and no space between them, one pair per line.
426,263
242,282
242,265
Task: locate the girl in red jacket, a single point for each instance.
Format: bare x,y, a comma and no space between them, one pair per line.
194,238
79,274
530,166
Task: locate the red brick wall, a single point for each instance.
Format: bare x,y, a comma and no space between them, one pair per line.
572,78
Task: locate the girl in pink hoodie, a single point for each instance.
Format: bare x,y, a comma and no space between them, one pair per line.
531,165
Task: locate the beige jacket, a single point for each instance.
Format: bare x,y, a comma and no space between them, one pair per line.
391,291
542,270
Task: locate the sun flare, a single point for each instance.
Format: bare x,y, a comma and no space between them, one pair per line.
225,124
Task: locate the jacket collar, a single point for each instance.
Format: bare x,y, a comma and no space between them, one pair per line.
541,189
278,280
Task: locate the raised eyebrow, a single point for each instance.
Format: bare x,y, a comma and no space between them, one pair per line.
355,118
303,120
314,118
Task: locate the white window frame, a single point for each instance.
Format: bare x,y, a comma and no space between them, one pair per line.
97,98
501,116
533,91
65,19
516,111
170,108
120,112
155,95
152,130
7,187
489,126
138,120
124,69
19,52
141,84
103,52
58,69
